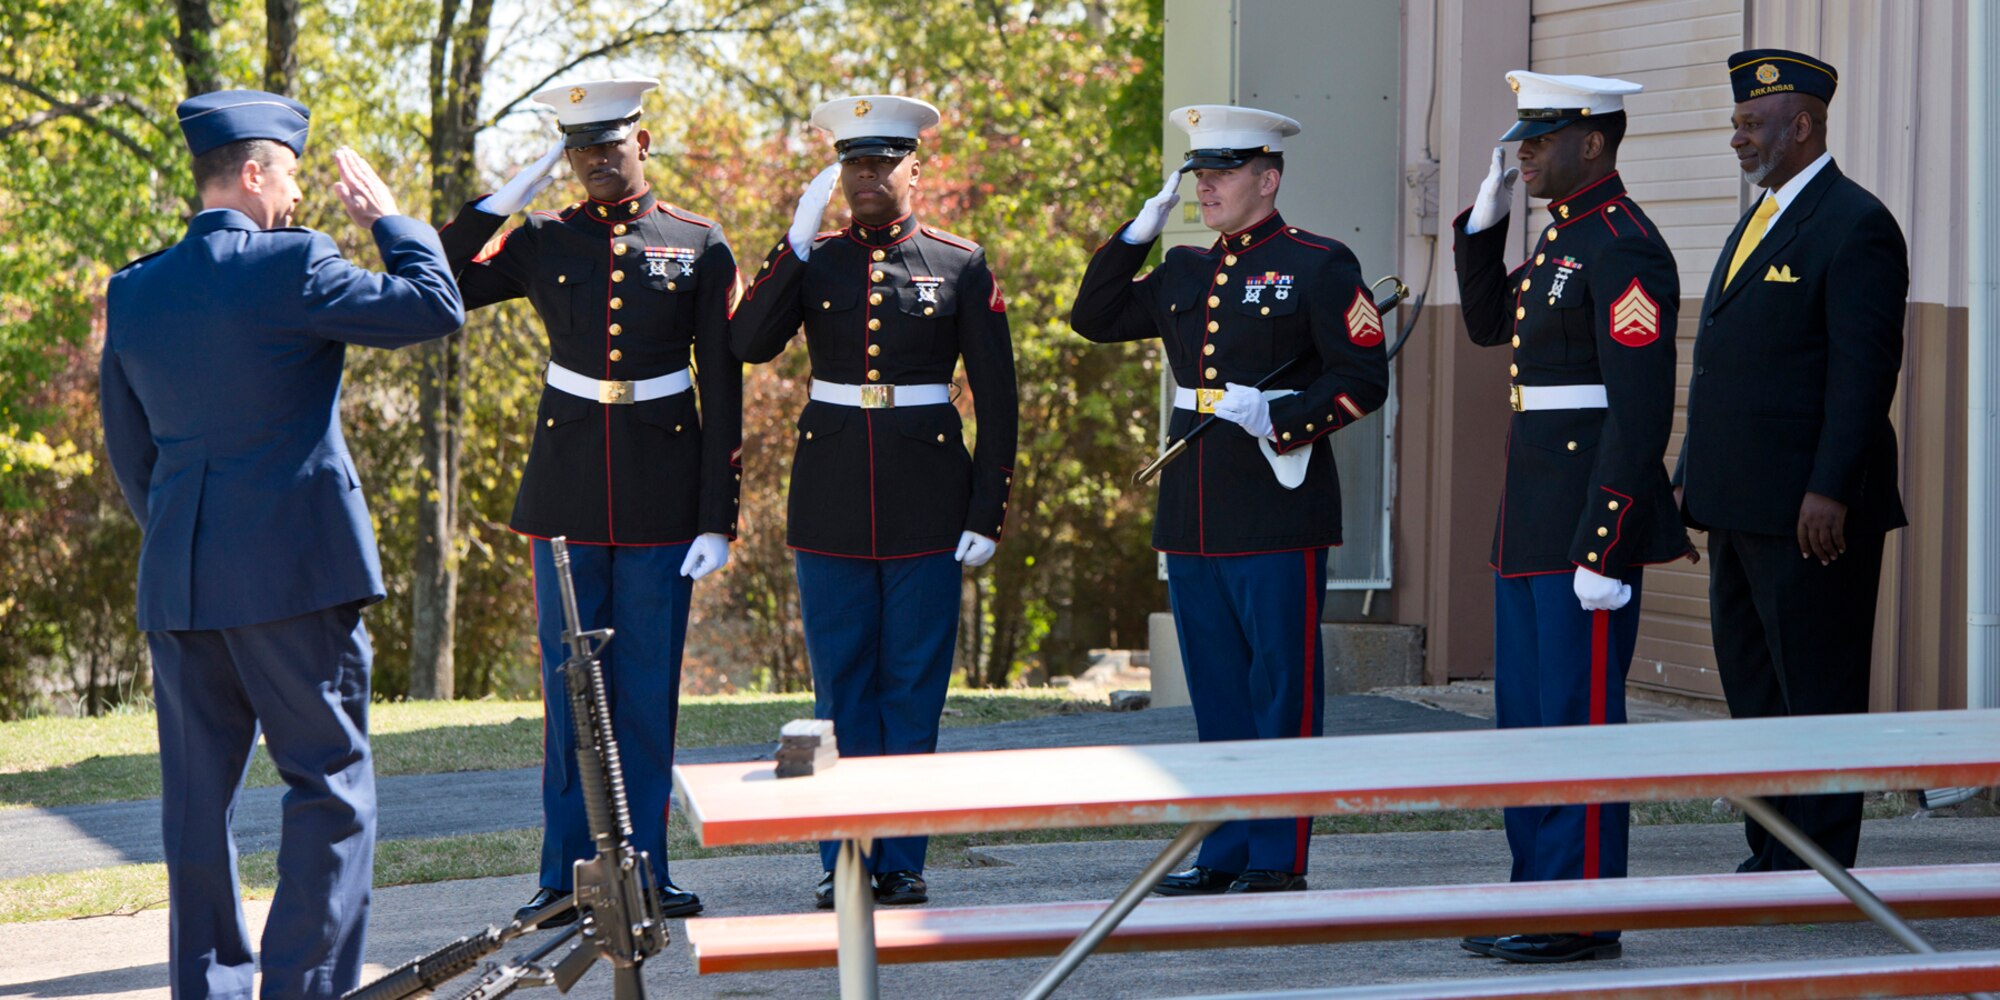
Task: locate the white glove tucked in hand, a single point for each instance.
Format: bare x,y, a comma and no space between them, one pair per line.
974,548
707,553
1246,408
811,211
1496,195
1597,592
520,192
1153,215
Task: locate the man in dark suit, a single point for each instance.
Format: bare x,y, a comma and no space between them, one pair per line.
220,389
634,295
887,508
1789,461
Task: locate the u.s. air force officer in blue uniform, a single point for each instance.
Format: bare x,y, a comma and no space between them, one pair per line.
1790,458
644,484
1585,500
1245,519
220,388
885,502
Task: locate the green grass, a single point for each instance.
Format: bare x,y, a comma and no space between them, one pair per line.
70,761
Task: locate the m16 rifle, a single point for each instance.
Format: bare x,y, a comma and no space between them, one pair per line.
619,902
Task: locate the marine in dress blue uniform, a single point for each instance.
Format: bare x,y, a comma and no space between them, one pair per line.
1245,519
885,504
220,391
1789,462
634,295
1585,501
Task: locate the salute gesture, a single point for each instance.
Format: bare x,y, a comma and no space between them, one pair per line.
1153,215
811,211
519,192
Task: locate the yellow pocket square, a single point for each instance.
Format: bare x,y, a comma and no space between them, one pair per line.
1777,273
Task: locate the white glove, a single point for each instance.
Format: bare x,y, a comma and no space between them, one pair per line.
520,192
1246,408
707,553
1153,215
811,211
1597,592
974,548
1496,195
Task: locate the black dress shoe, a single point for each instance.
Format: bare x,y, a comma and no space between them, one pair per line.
1195,881
1545,949
678,902
904,888
1265,880
823,893
1479,944
543,897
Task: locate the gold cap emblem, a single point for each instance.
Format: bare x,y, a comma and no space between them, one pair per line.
577,94
861,108
1194,116
1514,85
1767,74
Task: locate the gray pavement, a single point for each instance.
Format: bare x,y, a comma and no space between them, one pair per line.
73,838
126,956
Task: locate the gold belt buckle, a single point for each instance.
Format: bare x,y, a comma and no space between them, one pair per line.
1205,399
878,397
1514,398
614,392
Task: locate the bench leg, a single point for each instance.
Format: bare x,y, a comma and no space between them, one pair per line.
1870,905
854,918
1116,913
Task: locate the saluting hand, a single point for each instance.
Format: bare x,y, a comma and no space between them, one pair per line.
519,192
361,190
811,211
1152,217
1496,194
1822,528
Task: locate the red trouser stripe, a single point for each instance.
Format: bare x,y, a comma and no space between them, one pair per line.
1600,657
1306,704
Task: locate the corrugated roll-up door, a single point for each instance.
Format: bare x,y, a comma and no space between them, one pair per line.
1676,161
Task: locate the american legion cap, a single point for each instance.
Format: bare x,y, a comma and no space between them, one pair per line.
1754,73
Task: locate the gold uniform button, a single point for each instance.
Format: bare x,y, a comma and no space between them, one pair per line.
1613,505
874,350
1525,282
1601,532
1230,260
874,298
677,428
671,286
1287,436
562,279
1222,279
1611,210
876,276
928,310
880,254
1208,348
1214,300
617,355
1309,427
617,303
619,230
552,422
1513,369
1552,234
1208,373
1591,556
940,439
1266,311
1517,340
766,267
1213,326
875,324
1572,446
809,435
618,248
617,276
1520,312
826,305
616,329
874,375
1541,258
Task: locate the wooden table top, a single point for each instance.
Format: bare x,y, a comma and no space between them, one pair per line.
745,803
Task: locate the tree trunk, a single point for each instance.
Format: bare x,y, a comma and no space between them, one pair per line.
458,70
195,46
281,36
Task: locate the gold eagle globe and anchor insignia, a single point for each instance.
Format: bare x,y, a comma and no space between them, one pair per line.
1194,117
1767,74
861,108
577,94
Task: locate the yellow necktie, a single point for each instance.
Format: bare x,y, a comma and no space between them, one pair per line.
1752,235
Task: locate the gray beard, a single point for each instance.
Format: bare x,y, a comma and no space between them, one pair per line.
1775,154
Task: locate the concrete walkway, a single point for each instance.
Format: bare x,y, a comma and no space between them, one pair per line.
73,838
126,956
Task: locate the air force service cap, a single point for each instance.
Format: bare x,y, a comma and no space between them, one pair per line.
590,112
1223,137
875,124
216,119
1754,73
1545,102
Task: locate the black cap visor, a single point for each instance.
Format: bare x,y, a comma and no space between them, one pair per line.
1542,121
1224,159
890,147
597,133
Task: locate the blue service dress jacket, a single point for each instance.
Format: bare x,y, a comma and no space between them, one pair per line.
220,390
